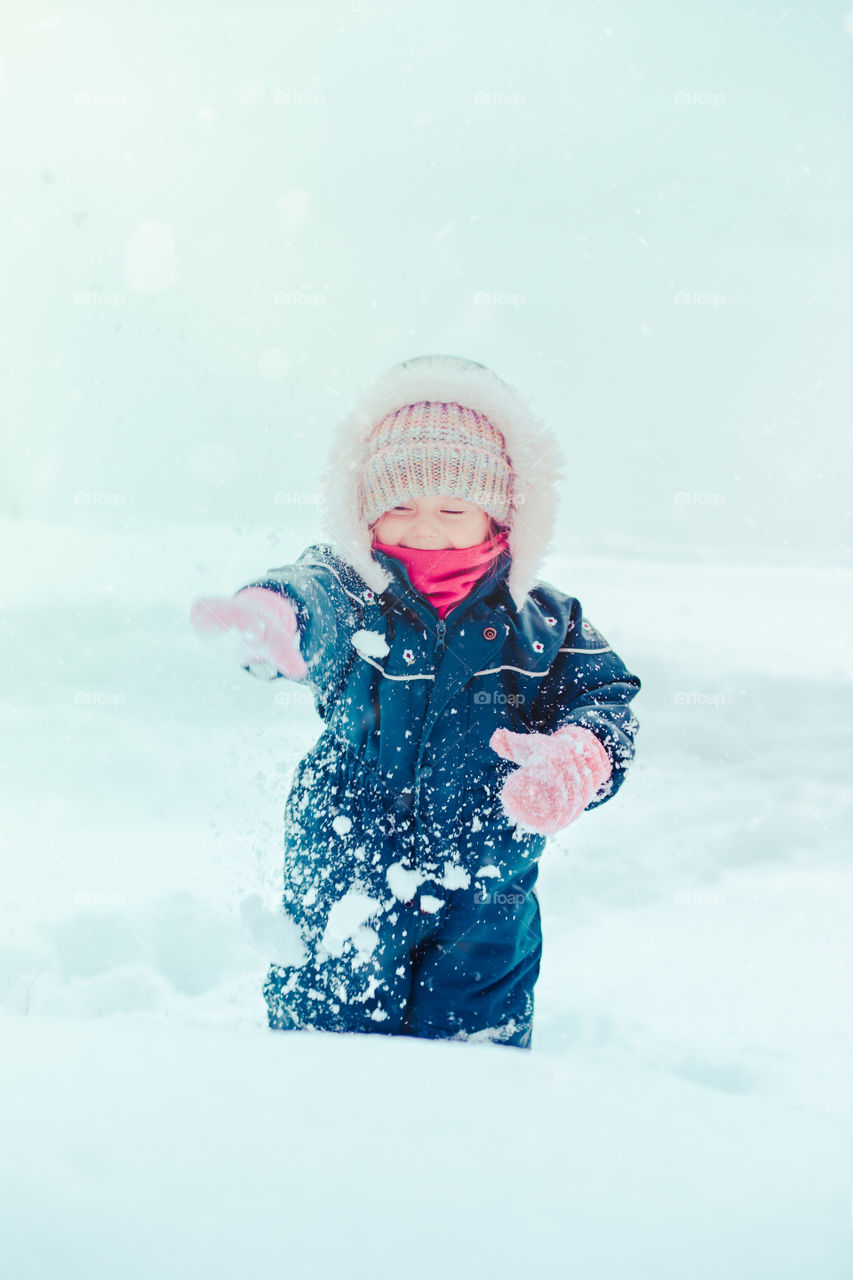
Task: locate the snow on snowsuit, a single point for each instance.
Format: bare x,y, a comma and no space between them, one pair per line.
414,893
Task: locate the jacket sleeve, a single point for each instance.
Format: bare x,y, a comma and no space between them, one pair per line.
588,684
326,610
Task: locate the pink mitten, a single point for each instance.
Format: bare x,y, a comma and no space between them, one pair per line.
559,775
264,622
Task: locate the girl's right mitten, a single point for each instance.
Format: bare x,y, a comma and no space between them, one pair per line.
264,621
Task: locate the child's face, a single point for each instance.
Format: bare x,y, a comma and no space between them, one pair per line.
434,523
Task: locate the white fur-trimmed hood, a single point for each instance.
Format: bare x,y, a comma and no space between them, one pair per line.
532,449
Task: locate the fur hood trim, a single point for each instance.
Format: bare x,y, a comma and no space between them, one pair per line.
532,449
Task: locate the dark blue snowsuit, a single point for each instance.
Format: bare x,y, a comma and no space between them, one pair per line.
413,891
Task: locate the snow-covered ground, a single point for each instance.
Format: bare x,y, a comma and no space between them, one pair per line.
685,1109
219,224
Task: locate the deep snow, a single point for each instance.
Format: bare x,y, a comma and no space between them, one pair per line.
686,1105
219,225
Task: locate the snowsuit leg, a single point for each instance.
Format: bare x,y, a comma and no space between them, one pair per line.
456,962
464,972
359,937
363,987
474,976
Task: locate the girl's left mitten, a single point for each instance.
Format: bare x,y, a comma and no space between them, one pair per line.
558,776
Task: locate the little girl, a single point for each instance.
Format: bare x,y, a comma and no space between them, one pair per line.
469,711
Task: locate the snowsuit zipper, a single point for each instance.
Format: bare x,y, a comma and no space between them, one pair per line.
425,772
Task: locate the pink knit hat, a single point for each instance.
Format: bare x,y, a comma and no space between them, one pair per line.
431,448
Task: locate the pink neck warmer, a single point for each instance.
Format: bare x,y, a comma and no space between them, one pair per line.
446,576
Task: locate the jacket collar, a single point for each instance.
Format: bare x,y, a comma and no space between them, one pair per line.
400,586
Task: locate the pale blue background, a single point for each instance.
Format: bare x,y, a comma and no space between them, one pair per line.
638,152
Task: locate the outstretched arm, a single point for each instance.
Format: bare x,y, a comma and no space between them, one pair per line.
324,605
